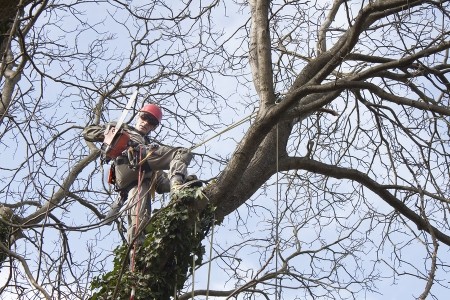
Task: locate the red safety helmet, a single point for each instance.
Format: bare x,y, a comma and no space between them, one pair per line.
153,110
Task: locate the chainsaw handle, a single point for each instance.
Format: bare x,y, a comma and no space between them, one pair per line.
115,142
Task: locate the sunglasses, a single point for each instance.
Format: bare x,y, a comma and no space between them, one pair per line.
149,119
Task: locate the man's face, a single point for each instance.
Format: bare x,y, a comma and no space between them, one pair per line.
146,123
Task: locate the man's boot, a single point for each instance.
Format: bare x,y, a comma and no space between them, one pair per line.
114,210
193,181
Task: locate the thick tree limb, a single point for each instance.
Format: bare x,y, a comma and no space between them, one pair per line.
362,178
260,52
40,214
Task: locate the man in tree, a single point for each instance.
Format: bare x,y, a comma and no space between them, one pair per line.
137,166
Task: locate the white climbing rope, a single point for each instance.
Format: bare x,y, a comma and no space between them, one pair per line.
234,125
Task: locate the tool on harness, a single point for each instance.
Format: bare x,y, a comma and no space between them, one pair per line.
116,139
135,154
112,175
139,153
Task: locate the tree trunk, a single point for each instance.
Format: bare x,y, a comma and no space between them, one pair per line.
163,262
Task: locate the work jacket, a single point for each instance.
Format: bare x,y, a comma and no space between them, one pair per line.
125,174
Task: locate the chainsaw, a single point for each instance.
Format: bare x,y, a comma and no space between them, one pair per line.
116,138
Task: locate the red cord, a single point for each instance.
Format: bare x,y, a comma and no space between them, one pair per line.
136,227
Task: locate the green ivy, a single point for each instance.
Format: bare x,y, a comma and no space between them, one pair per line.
5,232
164,260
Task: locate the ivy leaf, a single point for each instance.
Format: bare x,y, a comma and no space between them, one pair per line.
199,194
